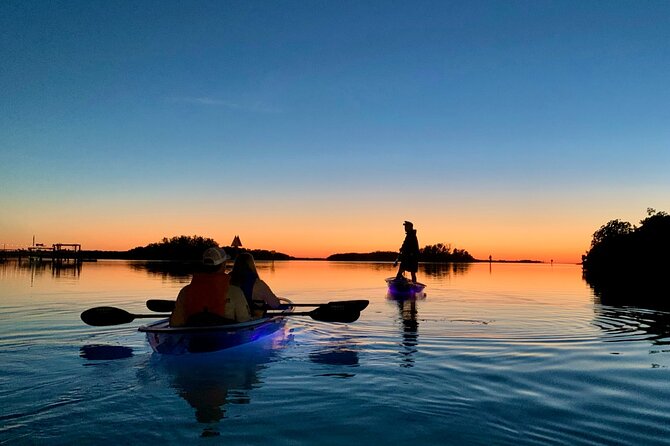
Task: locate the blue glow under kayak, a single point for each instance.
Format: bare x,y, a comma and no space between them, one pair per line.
180,340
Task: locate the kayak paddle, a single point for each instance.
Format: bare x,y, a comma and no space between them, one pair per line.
162,305
104,316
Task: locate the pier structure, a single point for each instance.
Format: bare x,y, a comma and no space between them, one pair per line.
37,252
58,252
66,251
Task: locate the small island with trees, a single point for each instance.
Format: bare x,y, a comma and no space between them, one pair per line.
182,248
629,264
439,253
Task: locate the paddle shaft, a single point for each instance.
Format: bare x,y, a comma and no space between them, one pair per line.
354,305
105,316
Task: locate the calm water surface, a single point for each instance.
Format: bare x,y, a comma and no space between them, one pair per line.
501,354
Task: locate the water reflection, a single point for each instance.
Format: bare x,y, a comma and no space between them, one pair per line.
629,324
99,352
58,269
183,270
166,269
629,310
339,352
407,312
210,382
631,290
443,270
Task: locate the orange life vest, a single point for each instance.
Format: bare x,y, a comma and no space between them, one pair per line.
206,293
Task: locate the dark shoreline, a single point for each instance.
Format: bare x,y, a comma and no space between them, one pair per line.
85,256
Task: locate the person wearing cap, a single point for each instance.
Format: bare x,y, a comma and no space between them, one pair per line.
205,300
245,281
409,253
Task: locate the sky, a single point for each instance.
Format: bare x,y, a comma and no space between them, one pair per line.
507,128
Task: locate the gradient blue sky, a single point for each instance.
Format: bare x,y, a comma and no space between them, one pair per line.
511,128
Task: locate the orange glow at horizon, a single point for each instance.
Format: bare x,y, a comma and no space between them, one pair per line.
308,228
321,240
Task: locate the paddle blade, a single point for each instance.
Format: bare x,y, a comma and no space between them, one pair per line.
103,316
327,313
160,305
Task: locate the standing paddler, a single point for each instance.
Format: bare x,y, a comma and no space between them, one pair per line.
409,253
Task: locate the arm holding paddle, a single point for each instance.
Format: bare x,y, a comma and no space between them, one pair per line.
263,293
178,316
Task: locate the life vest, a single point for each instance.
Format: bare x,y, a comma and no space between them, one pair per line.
205,294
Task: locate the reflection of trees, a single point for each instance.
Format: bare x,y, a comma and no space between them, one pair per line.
442,270
631,307
627,322
166,270
630,290
182,270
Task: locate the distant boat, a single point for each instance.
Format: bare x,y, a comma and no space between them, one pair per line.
237,243
404,288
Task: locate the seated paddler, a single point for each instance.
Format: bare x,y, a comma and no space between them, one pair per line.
205,300
244,281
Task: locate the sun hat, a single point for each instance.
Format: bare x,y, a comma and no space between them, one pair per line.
214,256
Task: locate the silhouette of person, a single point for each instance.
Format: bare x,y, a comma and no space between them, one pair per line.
409,253
202,302
244,279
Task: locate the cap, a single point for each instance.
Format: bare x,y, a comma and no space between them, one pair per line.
214,256
408,223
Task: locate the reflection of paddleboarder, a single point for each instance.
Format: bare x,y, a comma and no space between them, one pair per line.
410,335
409,253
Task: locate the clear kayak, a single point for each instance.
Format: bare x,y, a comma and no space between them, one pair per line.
404,288
180,340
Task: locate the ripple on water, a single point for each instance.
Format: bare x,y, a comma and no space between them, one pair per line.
484,359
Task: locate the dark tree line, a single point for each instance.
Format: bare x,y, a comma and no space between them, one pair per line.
190,249
376,256
444,253
439,253
628,262
183,247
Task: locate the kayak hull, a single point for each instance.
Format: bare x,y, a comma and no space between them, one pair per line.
182,340
404,288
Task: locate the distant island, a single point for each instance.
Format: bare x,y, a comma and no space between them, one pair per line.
189,249
629,264
430,253
183,248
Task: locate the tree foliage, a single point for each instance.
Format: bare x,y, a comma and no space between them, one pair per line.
376,256
624,259
439,253
187,248
183,247
611,231
443,253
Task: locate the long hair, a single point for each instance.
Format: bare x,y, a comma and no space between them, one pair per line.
243,267
244,275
